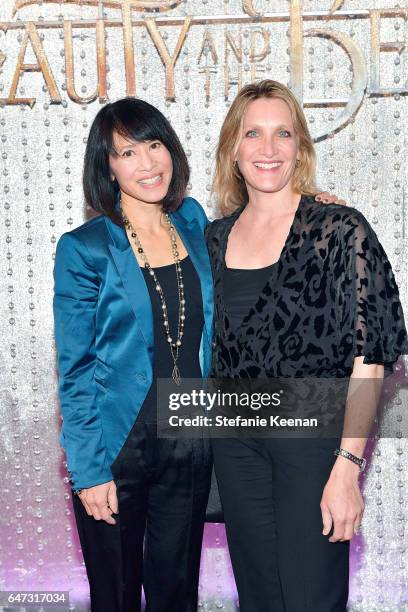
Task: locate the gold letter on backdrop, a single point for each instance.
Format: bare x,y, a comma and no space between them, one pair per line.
130,69
42,66
169,62
101,89
377,47
359,79
248,7
208,46
127,7
101,60
231,44
296,49
256,55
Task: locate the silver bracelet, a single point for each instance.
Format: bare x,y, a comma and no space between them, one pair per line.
360,461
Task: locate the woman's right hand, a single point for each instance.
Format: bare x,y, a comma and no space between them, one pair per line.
101,501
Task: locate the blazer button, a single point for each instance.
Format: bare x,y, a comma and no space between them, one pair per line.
213,344
140,377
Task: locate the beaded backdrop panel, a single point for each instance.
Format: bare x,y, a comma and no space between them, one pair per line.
60,60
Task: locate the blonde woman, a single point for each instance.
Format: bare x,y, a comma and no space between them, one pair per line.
301,290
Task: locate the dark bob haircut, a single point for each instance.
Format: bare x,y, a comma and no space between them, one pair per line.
137,121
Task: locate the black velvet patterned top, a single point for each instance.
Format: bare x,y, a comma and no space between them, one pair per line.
331,297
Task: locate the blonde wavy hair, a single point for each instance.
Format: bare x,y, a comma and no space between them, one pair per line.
229,185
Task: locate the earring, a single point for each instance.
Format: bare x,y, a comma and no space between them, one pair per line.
297,163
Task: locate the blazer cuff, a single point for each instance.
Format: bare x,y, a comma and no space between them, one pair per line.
85,481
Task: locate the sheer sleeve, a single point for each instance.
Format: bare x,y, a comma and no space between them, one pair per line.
370,295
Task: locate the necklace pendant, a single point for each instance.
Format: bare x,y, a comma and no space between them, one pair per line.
176,375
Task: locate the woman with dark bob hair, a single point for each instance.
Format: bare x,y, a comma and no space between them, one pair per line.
134,303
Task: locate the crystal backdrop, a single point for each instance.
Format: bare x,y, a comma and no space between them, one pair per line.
59,61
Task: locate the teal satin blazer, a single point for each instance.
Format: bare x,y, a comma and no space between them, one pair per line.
104,336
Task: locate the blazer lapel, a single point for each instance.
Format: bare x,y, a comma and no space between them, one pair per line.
134,285
132,280
192,236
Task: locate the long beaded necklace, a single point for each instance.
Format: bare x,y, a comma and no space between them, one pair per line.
174,345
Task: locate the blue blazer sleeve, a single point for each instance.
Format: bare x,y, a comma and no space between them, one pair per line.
75,303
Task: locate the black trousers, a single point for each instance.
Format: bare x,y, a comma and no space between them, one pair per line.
162,488
270,491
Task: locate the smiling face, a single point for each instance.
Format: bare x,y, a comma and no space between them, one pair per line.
268,149
143,169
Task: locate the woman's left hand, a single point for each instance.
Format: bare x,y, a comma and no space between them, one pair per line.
342,504
329,198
